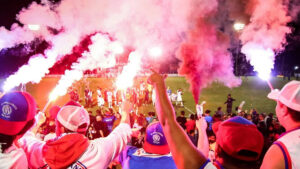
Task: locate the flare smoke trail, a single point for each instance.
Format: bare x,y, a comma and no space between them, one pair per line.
204,55
205,58
100,55
125,79
65,24
265,34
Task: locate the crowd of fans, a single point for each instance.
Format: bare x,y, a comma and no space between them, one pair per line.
72,137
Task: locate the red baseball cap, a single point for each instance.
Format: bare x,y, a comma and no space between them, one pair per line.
16,109
237,135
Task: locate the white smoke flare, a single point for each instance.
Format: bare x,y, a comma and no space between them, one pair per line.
125,79
101,54
265,34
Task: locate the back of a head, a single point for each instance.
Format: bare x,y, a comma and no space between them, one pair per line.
182,113
74,118
155,140
240,140
207,112
17,112
192,116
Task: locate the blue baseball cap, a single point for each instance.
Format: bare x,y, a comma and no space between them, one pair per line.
155,140
16,109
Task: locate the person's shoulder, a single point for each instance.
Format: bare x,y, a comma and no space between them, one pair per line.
274,158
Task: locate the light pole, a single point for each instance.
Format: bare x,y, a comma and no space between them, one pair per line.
238,27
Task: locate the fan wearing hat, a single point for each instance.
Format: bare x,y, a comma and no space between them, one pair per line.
239,143
71,148
285,152
17,111
154,154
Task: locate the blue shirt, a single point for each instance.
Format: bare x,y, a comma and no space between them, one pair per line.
209,120
109,120
137,158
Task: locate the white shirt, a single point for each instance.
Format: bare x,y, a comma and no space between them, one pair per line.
109,96
13,158
98,155
179,97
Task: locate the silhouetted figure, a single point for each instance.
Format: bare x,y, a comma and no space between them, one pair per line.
229,103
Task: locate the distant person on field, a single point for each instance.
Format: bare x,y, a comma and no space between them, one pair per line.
17,112
179,100
229,102
285,152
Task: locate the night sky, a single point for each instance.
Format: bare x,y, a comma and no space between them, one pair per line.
11,59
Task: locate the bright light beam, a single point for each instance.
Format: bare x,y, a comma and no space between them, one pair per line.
125,79
117,48
239,26
46,106
262,59
155,52
33,27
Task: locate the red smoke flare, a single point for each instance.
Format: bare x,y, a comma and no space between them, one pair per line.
205,58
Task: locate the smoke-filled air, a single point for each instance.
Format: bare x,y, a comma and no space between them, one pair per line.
187,29
265,34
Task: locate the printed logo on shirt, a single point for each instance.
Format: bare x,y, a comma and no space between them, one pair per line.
142,153
78,165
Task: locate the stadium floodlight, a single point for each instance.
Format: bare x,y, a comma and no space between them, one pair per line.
155,51
238,26
33,27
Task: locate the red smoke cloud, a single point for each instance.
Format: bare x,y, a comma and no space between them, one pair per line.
205,58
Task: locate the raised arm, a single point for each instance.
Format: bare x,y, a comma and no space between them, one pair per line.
116,141
185,154
203,144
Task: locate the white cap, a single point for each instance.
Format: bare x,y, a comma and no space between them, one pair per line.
72,117
289,95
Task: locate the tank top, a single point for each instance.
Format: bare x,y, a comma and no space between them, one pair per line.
289,144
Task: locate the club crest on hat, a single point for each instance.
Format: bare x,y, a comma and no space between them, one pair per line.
156,137
7,109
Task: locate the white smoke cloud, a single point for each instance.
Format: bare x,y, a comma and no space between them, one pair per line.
139,24
101,54
265,33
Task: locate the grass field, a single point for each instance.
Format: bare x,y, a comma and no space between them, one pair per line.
253,91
